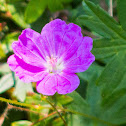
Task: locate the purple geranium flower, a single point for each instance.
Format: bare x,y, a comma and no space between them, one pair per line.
52,58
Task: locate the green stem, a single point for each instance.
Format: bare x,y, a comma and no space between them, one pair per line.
89,116
13,76
17,103
57,111
66,110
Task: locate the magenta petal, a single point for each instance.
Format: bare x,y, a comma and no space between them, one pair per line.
67,83
29,57
87,43
53,33
62,37
48,85
56,24
71,50
63,84
29,39
27,73
79,64
82,58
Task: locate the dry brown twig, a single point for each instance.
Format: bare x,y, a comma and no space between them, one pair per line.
51,114
4,115
9,107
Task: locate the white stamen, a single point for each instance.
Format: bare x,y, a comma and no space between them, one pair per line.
54,65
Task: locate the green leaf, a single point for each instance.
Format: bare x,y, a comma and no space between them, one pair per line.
34,10
121,7
42,107
31,15
35,99
97,26
41,22
113,89
107,100
79,105
96,1
21,90
21,123
66,1
103,48
112,74
89,78
16,8
93,91
57,122
110,108
63,99
114,104
99,21
93,95
55,5
87,75
6,82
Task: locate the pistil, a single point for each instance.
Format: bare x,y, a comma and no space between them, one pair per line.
54,65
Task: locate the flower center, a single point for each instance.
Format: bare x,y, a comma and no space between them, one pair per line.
54,65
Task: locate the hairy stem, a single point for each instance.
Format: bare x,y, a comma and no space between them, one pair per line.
21,104
57,111
27,110
16,103
3,116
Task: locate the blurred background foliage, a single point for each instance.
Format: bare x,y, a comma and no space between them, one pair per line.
100,100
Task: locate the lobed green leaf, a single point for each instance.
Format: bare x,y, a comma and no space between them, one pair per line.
99,21
103,48
121,7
